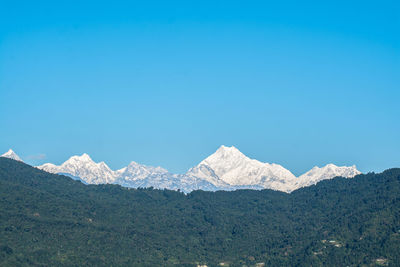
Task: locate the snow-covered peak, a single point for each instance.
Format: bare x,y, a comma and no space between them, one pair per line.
203,171
228,150
84,167
135,171
11,155
329,171
225,153
47,166
226,169
135,165
230,166
82,158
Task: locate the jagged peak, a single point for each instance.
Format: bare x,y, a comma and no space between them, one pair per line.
11,155
228,149
83,157
227,166
103,165
135,165
329,171
330,165
10,151
225,153
333,166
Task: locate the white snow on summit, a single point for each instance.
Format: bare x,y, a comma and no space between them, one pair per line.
134,175
226,169
329,171
136,171
229,166
11,155
161,180
83,167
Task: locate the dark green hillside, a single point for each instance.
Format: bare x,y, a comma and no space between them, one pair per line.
52,220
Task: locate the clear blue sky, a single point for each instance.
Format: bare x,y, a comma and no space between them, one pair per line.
166,83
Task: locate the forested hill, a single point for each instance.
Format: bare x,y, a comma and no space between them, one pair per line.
52,220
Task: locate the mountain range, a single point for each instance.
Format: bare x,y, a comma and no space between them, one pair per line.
226,169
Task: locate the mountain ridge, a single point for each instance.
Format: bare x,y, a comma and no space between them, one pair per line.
225,169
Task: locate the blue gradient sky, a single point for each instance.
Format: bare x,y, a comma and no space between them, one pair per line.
166,83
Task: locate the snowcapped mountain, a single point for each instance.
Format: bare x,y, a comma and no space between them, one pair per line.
230,167
11,155
226,169
136,171
329,171
134,175
85,168
167,180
